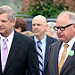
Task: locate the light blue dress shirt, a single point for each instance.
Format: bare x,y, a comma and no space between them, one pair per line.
43,46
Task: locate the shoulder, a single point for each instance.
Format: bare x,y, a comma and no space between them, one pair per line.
32,37
51,38
57,43
22,37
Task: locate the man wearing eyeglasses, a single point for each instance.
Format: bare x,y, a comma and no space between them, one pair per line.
62,53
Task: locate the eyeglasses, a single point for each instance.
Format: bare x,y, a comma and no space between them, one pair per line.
62,28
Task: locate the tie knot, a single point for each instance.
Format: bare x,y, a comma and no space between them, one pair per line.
39,42
5,40
66,45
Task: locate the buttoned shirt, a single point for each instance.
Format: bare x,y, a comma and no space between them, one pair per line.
9,42
43,46
70,43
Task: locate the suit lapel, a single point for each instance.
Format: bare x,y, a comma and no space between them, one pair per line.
69,58
14,48
56,55
0,56
47,52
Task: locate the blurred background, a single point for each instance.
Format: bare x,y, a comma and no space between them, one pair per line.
30,8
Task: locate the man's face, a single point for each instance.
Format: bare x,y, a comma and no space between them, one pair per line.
68,33
6,26
38,27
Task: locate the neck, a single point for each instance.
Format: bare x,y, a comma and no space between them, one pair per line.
40,37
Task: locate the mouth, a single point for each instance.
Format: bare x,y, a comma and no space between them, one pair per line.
1,28
60,36
36,31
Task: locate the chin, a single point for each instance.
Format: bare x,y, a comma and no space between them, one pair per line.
1,32
36,34
62,39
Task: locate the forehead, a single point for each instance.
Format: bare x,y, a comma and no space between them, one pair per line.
38,20
4,16
63,20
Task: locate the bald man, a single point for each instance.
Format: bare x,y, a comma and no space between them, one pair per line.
39,24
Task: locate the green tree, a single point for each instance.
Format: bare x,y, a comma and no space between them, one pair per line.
46,8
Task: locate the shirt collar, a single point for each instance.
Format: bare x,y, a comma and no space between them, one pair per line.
71,42
43,40
10,37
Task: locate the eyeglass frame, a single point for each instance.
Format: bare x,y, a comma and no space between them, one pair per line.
62,28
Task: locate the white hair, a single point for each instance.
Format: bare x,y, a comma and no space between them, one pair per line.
71,16
51,25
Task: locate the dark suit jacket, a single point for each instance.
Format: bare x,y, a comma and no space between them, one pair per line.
49,41
22,55
69,65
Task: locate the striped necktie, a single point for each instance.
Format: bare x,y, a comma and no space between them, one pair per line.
40,57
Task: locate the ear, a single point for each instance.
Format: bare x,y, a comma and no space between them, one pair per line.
46,27
13,22
19,29
74,28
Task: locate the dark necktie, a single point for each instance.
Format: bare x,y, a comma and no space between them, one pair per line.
40,57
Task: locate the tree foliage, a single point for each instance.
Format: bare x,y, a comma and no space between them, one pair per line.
46,8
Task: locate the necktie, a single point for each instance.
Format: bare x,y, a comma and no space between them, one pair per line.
62,60
4,53
40,57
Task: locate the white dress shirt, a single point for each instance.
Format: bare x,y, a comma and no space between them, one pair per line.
70,43
9,42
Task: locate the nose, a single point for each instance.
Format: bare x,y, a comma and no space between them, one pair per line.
0,23
35,26
59,30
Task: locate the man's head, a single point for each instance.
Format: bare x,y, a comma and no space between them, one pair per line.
50,31
39,26
9,10
7,20
65,26
20,25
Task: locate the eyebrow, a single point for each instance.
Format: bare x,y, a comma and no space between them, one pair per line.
64,26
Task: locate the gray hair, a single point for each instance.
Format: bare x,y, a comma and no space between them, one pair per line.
71,16
51,25
9,10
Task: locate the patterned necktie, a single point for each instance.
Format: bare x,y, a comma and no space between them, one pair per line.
4,53
40,57
62,60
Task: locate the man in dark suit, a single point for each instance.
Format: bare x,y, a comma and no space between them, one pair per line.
66,33
39,25
21,52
